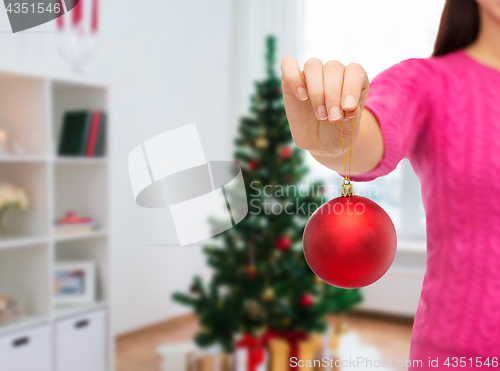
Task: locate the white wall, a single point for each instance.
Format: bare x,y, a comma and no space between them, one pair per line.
167,65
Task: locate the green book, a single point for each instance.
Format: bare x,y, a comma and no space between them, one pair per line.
74,134
101,137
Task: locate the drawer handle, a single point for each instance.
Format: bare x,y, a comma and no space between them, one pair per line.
20,342
83,323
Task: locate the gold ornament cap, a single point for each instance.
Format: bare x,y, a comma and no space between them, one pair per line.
346,189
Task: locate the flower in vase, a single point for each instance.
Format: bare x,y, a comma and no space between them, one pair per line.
12,196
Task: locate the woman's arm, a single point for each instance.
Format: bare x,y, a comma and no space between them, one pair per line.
318,99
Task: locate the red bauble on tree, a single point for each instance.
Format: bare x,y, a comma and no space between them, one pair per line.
251,272
349,242
283,243
306,300
286,153
253,165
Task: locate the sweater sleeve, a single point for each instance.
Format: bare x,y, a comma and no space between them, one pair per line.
398,98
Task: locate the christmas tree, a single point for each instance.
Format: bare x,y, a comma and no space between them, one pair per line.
261,279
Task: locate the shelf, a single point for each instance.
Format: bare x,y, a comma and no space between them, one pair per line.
83,189
33,106
24,276
88,249
71,310
33,178
25,112
80,160
13,242
58,79
22,323
22,158
81,236
76,82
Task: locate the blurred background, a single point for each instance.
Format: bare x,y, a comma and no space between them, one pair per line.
82,285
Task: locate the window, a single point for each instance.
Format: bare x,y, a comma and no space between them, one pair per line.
397,30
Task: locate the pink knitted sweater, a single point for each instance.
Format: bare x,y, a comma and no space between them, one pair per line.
443,114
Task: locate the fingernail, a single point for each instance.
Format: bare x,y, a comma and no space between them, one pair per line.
302,93
349,101
322,114
335,113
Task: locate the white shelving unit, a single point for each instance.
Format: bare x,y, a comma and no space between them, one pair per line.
31,112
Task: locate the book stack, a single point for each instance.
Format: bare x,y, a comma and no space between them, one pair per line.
83,134
72,223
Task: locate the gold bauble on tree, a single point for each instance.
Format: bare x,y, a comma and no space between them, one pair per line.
268,294
262,143
317,280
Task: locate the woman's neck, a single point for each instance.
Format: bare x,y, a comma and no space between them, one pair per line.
486,48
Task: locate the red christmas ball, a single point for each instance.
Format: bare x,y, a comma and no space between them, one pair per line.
306,300
283,243
349,242
251,272
286,153
253,165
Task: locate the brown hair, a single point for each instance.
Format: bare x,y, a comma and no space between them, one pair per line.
459,26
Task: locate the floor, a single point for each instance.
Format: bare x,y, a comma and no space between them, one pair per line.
136,351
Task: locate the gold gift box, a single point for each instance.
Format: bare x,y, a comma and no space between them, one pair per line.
308,350
207,362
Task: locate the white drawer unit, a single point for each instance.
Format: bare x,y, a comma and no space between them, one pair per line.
28,350
81,343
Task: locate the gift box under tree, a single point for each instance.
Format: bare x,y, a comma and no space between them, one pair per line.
209,359
288,347
328,359
250,354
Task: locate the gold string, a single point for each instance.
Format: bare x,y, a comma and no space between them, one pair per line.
347,175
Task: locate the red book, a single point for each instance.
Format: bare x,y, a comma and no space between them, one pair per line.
94,130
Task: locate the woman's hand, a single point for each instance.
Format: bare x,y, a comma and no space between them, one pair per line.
318,99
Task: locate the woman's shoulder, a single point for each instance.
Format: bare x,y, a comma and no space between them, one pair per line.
424,71
432,66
